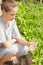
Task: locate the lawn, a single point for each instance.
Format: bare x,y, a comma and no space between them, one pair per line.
30,24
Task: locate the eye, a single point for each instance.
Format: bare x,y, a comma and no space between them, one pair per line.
12,14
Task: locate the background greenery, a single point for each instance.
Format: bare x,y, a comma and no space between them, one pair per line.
30,23
31,1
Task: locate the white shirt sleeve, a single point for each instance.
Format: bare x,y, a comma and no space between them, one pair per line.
2,36
16,33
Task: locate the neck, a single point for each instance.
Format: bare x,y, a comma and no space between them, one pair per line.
5,20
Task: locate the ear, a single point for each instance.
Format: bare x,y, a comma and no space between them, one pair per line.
4,10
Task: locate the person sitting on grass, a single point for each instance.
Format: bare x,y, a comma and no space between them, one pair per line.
11,42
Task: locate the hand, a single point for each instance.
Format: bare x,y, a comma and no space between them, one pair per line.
32,46
10,42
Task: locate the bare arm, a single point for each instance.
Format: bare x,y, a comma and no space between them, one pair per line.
23,42
31,45
19,38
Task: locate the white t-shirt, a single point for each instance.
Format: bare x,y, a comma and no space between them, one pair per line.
8,32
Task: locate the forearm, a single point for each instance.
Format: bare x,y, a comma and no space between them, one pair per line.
31,45
8,43
23,42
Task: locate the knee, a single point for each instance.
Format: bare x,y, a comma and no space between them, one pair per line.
15,53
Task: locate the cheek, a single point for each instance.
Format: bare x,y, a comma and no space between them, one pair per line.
10,17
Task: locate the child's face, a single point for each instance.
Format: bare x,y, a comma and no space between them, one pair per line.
10,15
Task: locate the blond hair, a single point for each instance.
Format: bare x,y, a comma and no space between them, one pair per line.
7,4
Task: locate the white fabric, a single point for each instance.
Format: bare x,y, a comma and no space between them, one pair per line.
15,48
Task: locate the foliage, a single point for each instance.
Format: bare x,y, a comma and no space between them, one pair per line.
29,1
30,23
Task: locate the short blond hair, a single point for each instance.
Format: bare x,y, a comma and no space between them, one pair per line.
7,0
7,4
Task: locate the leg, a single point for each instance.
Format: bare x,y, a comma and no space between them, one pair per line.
7,53
6,58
